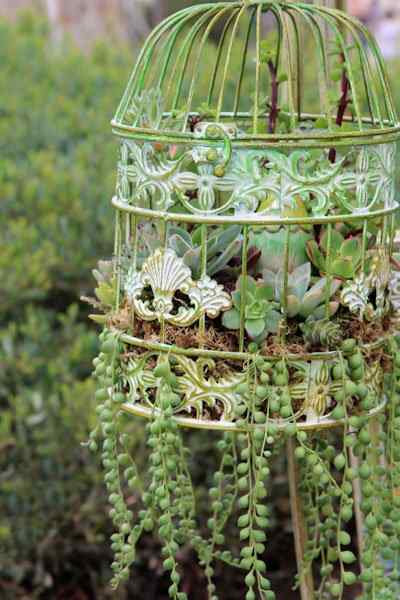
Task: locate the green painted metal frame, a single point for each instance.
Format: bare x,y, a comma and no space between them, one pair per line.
171,61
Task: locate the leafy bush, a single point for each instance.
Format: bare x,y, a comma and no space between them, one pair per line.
56,179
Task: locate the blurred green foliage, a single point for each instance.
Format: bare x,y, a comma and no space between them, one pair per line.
56,178
57,171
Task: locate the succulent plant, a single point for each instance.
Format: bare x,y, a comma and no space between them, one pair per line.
272,247
106,290
302,300
323,332
222,245
345,255
260,313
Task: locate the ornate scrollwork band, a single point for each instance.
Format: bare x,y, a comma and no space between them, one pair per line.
213,180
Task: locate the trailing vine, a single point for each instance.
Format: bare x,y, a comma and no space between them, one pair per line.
240,483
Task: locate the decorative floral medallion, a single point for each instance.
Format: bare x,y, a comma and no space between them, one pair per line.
316,389
152,291
356,294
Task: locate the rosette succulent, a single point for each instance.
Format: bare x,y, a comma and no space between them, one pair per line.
261,316
302,300
222,245
272,245
345,255
322,332
106,290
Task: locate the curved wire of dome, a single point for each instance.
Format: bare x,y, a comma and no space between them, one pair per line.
268,55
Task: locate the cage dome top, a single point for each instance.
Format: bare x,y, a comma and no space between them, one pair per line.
283,72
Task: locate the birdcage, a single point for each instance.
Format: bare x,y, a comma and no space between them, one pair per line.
254,285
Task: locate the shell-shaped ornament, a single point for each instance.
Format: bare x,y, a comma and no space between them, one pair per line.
152,292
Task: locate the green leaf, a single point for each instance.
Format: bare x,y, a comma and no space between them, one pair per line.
106,293
351,249
293,306
272,246
236,297
264,292
248,282
336,241
349,578
269,278
321,123
196,236
343,268
219,262
174,230
273,321
231,319
315,255
347,557
320,311
344,538
255,327
192,259
299,280
101,319
179,245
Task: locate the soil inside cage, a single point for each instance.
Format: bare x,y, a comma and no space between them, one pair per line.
216,337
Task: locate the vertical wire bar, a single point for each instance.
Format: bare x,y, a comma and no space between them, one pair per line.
279,26
364,241
170,44
179,23
196,67
323,60
367,72
164,233
385,230
243,286
290,70
187,54
164,245
127,229
392,234
299,523
357,494
117,257
202,320
285,281
243,65
227,61
257,77
174,72
134,229
368,78
381,72
326,17
219,53
299,65
328,286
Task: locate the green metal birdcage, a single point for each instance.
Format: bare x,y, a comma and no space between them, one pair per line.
254,277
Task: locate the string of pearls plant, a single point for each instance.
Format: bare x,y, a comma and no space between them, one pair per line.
241,482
